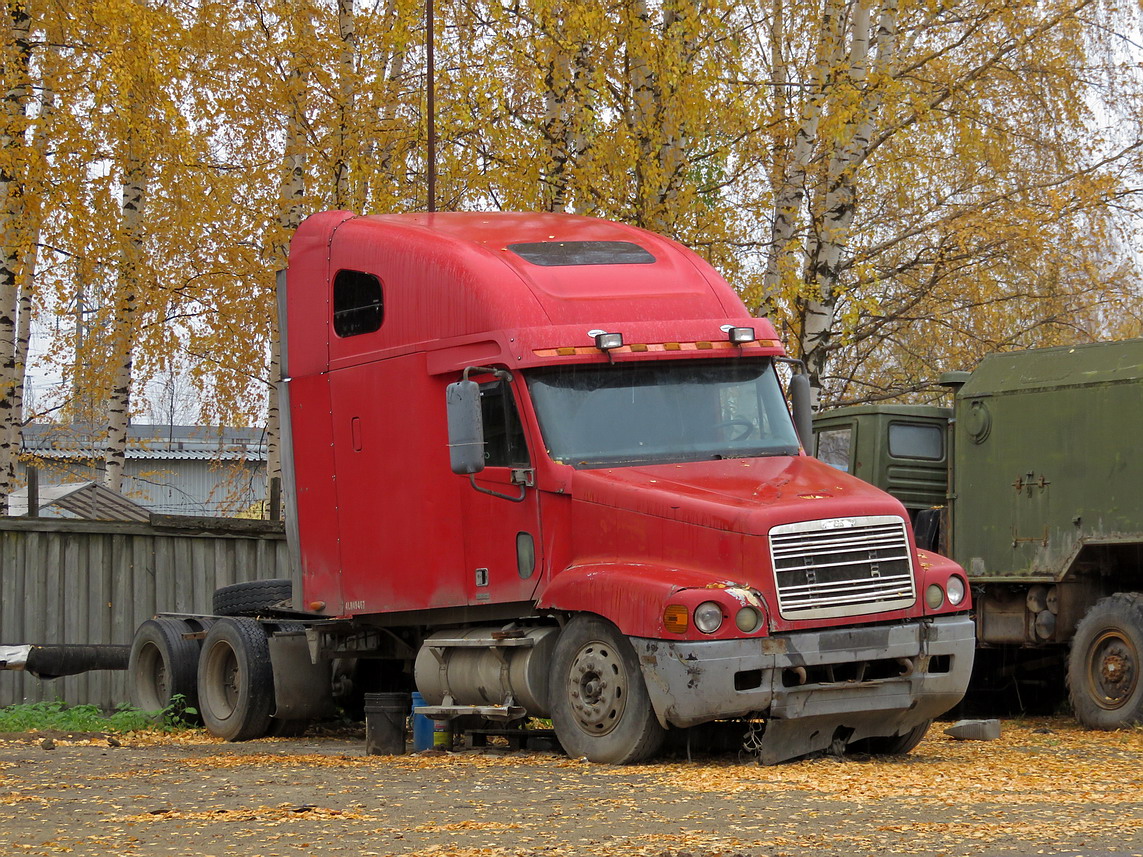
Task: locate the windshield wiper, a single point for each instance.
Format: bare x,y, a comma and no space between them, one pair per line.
755,453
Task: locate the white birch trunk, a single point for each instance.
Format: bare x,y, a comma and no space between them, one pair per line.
641,115
567,113
291,194
783,253
347,88
839,192
129,284
13,238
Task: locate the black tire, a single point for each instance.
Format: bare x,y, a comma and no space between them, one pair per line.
163,667
250,598
892,745
597,698
235,680
1105,662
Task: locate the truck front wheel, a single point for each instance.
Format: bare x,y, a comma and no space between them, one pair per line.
235,680
1104,665
598,700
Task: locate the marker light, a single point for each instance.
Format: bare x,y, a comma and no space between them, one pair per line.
741,335
675,618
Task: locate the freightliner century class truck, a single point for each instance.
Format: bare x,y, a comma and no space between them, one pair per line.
541,465
1032,481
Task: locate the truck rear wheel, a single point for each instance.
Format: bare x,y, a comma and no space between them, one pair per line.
250,597
1104,682
163,667
598,700
235,680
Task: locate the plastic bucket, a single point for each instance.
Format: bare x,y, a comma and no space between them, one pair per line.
429,734
385,717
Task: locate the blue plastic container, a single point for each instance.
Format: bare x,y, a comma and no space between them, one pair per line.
422,726
429,734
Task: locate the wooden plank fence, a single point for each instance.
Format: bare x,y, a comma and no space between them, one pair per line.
86,582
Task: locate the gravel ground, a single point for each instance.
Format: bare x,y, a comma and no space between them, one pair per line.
1045,787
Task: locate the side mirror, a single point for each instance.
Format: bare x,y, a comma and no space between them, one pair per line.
800,399
465,428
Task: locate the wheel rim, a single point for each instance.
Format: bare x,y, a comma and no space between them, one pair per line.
1112,670
222,681
597,688
154,691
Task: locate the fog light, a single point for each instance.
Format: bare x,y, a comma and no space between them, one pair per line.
934,596
708,617
748,619
956,590
675,618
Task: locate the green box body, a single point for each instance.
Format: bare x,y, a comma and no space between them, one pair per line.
901,449
1045,500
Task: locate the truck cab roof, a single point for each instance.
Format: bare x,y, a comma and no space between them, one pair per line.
513,288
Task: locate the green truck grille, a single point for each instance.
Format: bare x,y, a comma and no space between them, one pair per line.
842,567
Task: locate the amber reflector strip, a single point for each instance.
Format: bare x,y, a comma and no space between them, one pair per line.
572,351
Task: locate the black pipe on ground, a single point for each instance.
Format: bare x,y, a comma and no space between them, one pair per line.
55,661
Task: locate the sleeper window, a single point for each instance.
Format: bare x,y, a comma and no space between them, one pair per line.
357,304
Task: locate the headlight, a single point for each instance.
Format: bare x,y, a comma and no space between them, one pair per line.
935,596
955,590
748,619
708,617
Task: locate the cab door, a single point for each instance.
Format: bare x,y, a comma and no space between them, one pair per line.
501,510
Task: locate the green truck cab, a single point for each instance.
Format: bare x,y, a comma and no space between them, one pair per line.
1035,486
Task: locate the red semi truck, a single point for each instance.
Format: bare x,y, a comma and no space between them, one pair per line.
541,465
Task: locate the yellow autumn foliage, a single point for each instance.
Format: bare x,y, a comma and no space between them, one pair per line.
903,185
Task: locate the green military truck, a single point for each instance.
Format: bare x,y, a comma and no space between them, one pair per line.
1033,481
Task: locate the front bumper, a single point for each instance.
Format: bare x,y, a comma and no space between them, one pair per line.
815,687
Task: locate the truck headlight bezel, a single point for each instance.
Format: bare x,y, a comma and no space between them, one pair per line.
708,617
956,589
748,619
934,596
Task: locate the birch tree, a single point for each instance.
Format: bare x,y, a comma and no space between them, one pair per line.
903,149
14,198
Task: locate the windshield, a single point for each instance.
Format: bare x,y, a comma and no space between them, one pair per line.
638,413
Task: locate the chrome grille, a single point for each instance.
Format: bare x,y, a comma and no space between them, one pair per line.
842,567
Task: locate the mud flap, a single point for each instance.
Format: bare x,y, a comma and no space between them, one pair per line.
302,689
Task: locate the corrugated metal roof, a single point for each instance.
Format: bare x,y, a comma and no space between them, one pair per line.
88,500
147,443
95,452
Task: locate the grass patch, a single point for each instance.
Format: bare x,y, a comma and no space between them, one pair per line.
43,716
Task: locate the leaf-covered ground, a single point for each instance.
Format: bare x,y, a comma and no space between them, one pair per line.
1045,787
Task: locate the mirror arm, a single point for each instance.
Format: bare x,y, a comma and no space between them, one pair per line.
502,496
501,374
